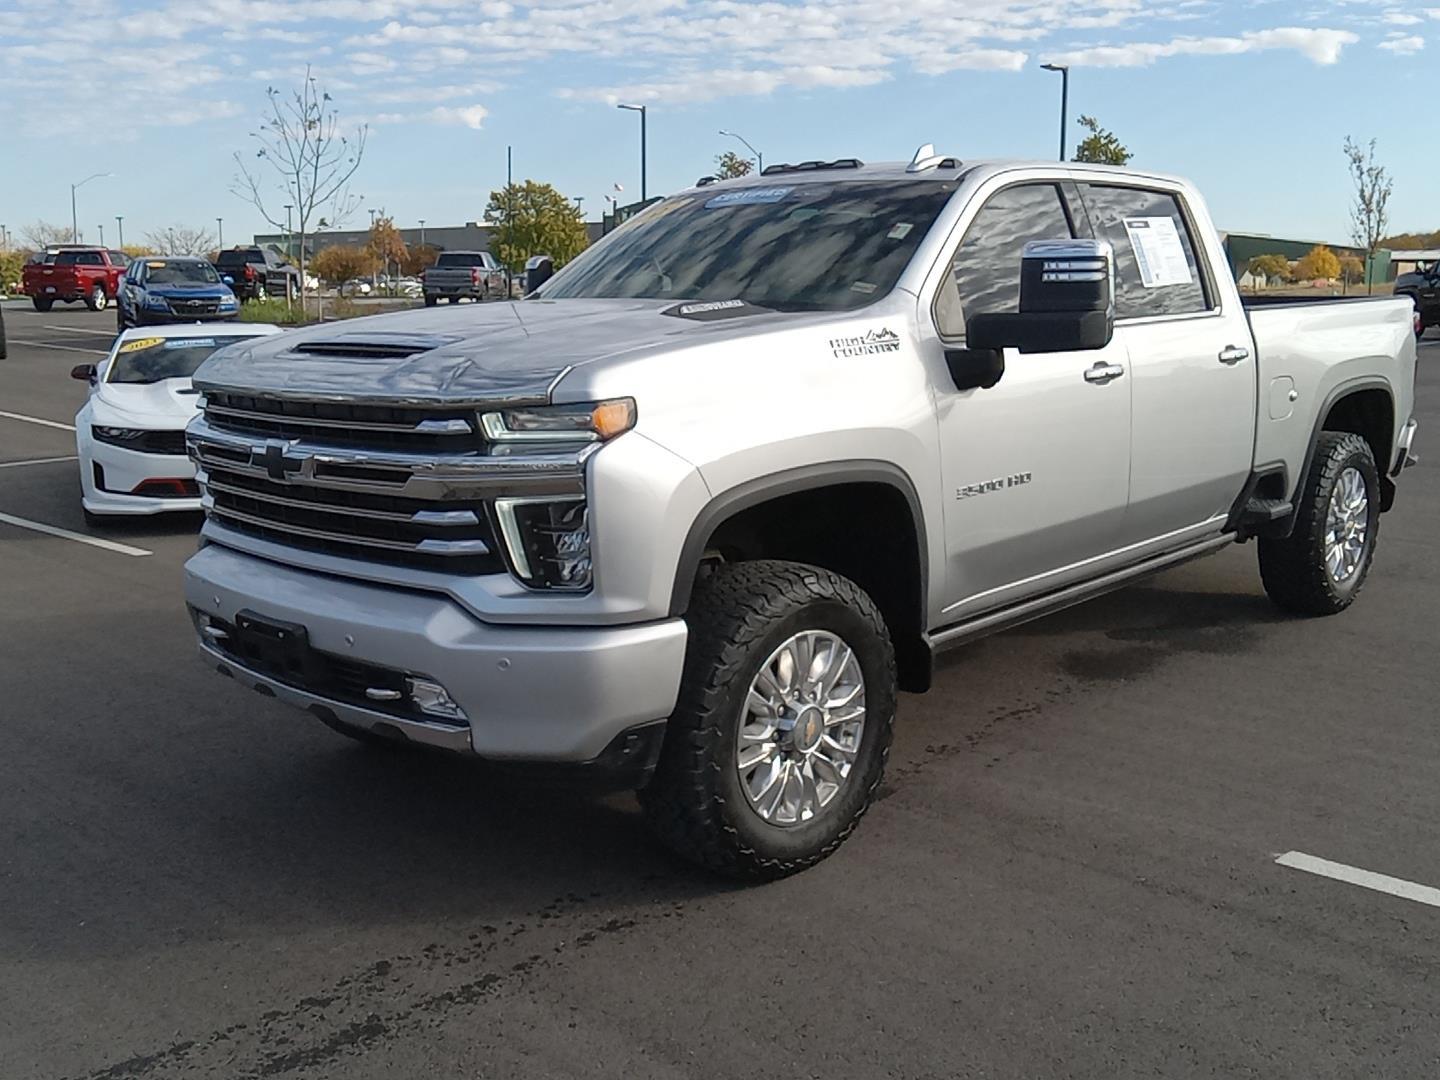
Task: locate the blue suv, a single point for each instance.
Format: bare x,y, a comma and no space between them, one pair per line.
171,290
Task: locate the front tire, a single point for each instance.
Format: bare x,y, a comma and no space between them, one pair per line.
783,724
1320,568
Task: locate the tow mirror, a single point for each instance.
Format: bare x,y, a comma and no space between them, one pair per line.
85,373
228,280
1067,301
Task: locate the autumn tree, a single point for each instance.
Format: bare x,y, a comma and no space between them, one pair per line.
1101,146
1352,270
1319,264
385,244
41,234
531,218
418,258
303,164
1370,211
339,263
1269,267
12,266
138,251
180,240
730,165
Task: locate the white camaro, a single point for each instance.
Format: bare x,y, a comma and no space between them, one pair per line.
130,433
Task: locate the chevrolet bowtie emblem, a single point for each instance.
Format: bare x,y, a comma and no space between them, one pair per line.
277,464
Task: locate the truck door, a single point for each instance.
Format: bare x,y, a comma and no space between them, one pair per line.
1035,469
1192,383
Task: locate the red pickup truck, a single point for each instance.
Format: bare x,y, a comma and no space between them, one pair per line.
68,274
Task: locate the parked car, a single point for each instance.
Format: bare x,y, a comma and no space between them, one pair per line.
258,272
460,274
1422,286
692,515
130,433
173,289
354,287
70,273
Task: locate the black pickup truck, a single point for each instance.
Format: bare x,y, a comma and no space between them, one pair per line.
257,272
1422,285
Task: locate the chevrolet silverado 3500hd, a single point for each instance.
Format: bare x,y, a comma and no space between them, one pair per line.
691,514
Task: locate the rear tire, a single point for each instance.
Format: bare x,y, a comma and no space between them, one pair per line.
713,808
1320,568
431,301
97,300
42,303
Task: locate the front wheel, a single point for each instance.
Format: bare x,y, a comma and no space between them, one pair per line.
783,724
1321,566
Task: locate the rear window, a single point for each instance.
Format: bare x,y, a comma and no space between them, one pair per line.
152,360
460,259
83,258
240,258
119,258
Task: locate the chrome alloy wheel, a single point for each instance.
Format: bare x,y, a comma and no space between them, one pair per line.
800,732
1347,526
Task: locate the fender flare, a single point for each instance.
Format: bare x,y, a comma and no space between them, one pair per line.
789,482
1342,390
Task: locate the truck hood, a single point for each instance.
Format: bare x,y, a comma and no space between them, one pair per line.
490,353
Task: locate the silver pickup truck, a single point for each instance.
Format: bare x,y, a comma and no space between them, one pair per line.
689,517
459,275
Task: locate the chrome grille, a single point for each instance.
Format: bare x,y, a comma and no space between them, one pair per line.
346,424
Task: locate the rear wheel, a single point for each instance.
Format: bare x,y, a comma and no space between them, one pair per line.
431,301
1321,566
97,300
42,303
782,728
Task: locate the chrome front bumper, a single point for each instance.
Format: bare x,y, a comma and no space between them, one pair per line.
529,693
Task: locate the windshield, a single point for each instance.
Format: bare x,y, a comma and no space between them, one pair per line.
180,273
792,247
151,360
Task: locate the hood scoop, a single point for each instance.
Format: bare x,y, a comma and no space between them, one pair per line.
373,346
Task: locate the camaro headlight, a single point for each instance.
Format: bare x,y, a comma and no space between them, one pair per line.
157,303
548,540
116,436
589,421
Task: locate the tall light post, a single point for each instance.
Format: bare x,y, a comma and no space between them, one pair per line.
1064,70
579,205
220,232
102,235
74,219
759,157
644,189
120,227
422,232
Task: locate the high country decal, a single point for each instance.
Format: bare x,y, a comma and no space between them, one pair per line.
882,340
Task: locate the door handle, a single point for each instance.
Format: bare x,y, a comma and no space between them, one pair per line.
1233,354
1103,373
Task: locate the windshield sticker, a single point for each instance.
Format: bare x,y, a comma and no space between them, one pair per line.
190,343
141,343
899,232
709,310
883,340
1158,251
748,197
866,287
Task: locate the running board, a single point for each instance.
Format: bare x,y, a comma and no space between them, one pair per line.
993,622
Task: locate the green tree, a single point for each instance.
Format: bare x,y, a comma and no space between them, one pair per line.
12,265
730,165
1319,264
530,218
1269,267
1100,147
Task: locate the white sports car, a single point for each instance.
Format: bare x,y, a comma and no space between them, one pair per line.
130,433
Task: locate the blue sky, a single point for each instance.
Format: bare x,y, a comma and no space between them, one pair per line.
1252,100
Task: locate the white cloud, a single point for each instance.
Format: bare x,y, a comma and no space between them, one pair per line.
1403,44
471,116
1320,46
1400,18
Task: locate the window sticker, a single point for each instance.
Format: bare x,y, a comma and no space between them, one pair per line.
190,343
1158,251
900,231
866,287
748,197
141,343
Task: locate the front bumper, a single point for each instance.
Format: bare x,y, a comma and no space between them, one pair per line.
144,317
543,694
123,471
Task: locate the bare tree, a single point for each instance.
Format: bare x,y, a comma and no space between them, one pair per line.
1369,214
42,234
310,164
179,240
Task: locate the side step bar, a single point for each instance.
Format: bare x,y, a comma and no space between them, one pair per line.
992,622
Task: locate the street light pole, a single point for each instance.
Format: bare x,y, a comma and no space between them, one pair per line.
220,232
102,235
74,219
422,232
120,226
644,188
1064,70
759,157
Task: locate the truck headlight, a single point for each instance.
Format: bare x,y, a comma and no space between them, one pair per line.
548,541
227,302
589,421
156,303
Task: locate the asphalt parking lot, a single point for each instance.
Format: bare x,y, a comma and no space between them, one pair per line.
1071,872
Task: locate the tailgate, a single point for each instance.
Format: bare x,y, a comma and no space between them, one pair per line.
43,277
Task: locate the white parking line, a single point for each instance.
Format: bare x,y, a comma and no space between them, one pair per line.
66,534
37,420
1408,890
62,348
36,461
80,330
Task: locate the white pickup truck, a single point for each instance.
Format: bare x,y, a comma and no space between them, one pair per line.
691,515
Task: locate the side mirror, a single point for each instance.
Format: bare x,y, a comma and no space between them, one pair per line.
228,280
1067,301
86,373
